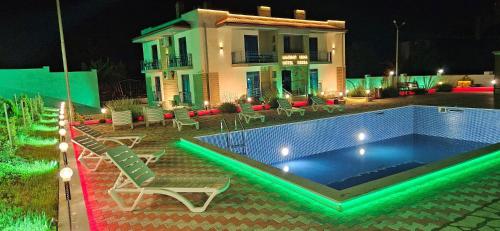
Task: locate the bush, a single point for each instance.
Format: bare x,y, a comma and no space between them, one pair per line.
420,91
390,92
228,107
273,102
125,104
445,87
358,91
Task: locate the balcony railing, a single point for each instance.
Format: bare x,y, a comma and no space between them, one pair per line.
320,56
150,65
180,61
239,57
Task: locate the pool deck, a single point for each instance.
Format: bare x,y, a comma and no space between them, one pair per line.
470,203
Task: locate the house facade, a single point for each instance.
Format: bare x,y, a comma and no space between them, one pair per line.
212,56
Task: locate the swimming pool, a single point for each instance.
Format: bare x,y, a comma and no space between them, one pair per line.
344,157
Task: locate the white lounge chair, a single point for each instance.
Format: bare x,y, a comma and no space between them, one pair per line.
153,115
95,150
248,113
285,106
122,118
182,119
88,131
318,103
136,177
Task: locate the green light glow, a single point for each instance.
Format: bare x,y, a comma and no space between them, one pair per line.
12,218
50,115
35,141
48,121
375,202
43,128
19,167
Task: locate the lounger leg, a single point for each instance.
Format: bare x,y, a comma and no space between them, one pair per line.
262,119
120,201
197,126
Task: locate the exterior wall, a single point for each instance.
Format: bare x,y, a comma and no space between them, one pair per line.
51,85
205,37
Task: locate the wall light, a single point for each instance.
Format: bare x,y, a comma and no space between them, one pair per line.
66,173
361,136
221,48
104,110
63,146
440,71
322,93
493,82
341,94
391,73
285,151
440,83
249,99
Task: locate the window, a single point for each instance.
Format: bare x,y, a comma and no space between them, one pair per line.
154,52
293,44
253,84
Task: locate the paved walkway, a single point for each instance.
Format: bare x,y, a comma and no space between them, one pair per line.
470,203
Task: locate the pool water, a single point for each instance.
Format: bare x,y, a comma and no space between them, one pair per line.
351,166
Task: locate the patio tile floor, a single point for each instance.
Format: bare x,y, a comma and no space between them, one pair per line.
473,203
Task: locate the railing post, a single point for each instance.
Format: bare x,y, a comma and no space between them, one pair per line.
7,123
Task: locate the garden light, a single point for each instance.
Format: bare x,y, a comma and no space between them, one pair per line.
104,110
322,93
361,136
285,151
249,99
205,103
61,117
341,94
63,146
61,112
286,168
391,73
346,92
367,92
287,96
362,151
62,132
62,123
440,83
440,71
66,173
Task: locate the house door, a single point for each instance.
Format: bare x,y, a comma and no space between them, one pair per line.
313,49
253,84
154,52
186,89
251,48
286,80
313,81
183,55
157,89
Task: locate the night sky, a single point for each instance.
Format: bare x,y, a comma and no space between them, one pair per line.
456,34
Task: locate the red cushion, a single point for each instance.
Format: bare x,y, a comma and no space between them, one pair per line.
300,103
191,114
203,112
168,116
267,106
330,101
214,111
257,107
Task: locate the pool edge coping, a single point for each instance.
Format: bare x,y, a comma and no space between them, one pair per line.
338,197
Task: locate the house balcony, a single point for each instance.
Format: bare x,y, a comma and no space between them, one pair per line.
240,57
182,61
147,65
320,57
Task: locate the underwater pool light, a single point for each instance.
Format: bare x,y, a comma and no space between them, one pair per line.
286,168
362,151
361,136
285,151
